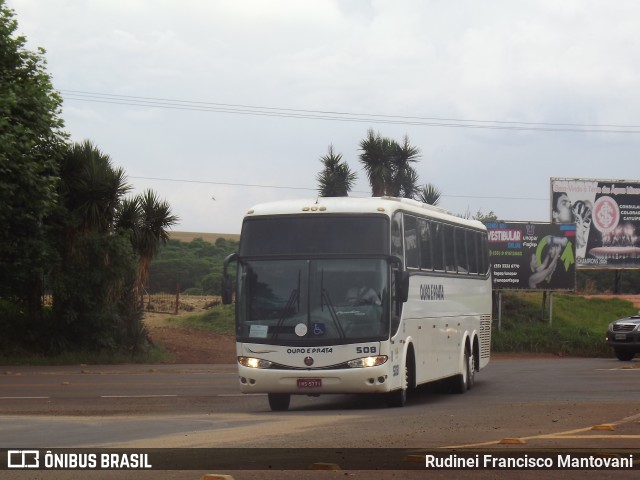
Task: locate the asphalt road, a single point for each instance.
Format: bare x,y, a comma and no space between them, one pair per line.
526,403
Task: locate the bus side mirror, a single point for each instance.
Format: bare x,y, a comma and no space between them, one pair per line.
402,285
401,279
227,281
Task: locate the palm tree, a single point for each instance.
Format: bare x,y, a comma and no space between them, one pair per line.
337,179
388,165
405,177
377,160
430,194
91,187
150,231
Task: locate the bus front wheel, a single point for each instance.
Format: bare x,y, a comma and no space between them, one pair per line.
398,398
279,402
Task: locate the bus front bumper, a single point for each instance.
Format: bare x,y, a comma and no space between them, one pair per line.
315,382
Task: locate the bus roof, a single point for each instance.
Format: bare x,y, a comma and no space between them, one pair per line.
377,205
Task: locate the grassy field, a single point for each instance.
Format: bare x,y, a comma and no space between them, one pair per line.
218,319
578,326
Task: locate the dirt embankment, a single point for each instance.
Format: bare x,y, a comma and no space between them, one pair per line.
188,346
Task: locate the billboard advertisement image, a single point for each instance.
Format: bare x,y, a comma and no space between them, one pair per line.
532,256
607,218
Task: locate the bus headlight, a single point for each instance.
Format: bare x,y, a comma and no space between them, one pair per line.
367,361
254,362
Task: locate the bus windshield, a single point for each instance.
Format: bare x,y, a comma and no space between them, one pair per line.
313,302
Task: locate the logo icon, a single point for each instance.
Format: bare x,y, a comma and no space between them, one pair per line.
23,458
606,214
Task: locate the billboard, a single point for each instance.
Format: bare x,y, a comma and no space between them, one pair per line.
532,256
607,218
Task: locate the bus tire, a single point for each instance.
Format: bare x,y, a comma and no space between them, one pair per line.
398,398
461,382
471,371
279,402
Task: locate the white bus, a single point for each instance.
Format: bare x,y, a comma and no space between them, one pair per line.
358,295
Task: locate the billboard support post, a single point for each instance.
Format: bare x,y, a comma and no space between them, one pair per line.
499,310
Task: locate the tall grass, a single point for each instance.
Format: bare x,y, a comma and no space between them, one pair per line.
218,319
577,328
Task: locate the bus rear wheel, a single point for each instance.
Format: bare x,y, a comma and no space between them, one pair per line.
279,402
464,381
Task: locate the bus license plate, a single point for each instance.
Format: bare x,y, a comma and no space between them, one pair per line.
621,336
309,382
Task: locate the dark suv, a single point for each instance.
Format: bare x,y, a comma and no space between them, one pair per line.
624,337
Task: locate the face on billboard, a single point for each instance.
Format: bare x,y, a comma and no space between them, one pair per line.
562,212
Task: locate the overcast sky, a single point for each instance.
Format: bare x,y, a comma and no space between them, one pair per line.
237,87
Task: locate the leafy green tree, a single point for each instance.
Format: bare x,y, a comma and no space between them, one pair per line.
94,307
485,217
31,141
197,264
336,179
93,283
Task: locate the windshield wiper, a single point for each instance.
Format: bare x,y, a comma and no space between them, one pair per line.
324,298
294,298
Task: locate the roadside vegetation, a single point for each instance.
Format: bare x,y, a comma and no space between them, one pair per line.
70,231
218,319
577,328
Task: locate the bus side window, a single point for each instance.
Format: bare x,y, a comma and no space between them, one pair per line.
438,246
461,251
411,242
396,235
472,249
449,249
426,262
